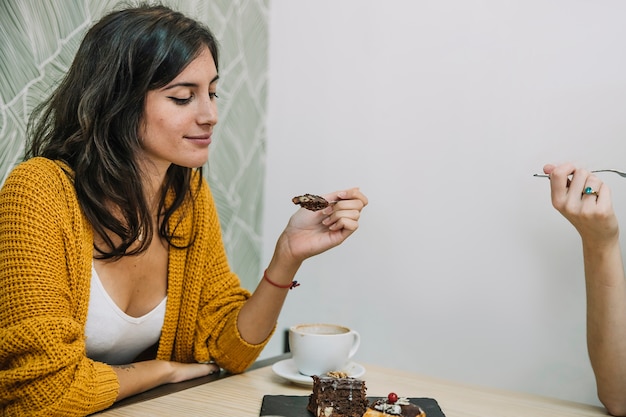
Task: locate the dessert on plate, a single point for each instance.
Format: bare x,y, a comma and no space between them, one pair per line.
394,406
335,394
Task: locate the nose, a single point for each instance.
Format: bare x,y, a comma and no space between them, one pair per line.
207,111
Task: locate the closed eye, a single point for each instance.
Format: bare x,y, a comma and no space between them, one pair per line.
181,101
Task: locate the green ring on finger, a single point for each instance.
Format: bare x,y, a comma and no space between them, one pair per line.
589,191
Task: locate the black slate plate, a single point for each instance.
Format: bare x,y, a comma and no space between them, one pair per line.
295,406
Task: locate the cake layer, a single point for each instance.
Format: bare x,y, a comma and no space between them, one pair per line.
337,397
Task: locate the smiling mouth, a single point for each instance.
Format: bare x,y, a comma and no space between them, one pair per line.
201,137
201,141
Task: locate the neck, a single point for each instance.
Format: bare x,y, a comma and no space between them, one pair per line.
153,178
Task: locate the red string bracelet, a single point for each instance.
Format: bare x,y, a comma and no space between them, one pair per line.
291,285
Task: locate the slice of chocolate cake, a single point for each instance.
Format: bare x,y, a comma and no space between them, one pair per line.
337,395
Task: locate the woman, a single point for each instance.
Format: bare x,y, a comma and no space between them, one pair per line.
110,244
586,202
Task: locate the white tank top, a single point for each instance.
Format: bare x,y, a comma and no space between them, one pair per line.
114,337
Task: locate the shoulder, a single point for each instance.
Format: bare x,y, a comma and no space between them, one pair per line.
40,170
39,181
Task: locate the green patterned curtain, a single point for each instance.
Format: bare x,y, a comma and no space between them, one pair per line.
38,39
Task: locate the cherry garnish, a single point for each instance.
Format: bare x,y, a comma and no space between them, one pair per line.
392,397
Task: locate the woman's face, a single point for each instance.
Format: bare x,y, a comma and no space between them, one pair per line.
178,119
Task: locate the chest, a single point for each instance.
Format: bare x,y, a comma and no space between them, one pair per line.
137,284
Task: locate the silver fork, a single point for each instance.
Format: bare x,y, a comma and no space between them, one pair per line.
615,171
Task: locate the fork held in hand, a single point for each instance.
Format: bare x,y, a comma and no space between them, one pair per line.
615,171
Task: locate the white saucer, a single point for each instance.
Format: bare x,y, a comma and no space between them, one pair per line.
287,369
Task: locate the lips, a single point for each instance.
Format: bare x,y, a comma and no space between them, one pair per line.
200,139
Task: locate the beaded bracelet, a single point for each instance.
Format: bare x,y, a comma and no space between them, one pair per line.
291,285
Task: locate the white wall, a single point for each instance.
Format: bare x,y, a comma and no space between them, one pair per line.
441,111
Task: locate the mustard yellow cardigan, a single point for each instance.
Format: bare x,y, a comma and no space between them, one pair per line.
46,250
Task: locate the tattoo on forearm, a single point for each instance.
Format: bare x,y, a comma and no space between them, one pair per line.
127,367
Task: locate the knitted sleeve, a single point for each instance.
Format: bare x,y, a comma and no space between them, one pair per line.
44,246
221,297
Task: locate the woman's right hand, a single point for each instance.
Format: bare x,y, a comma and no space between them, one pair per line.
591,214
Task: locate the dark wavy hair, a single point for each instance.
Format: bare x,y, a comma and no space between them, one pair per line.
91,121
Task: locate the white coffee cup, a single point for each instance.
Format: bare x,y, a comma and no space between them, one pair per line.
320,348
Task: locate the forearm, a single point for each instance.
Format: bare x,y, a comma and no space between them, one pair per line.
138,377
259,314
606,321
141,376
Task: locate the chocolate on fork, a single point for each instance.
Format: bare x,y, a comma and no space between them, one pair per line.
311,202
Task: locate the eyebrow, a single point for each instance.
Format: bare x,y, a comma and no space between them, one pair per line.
186,84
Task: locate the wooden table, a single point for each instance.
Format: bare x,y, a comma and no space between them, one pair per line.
241,396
